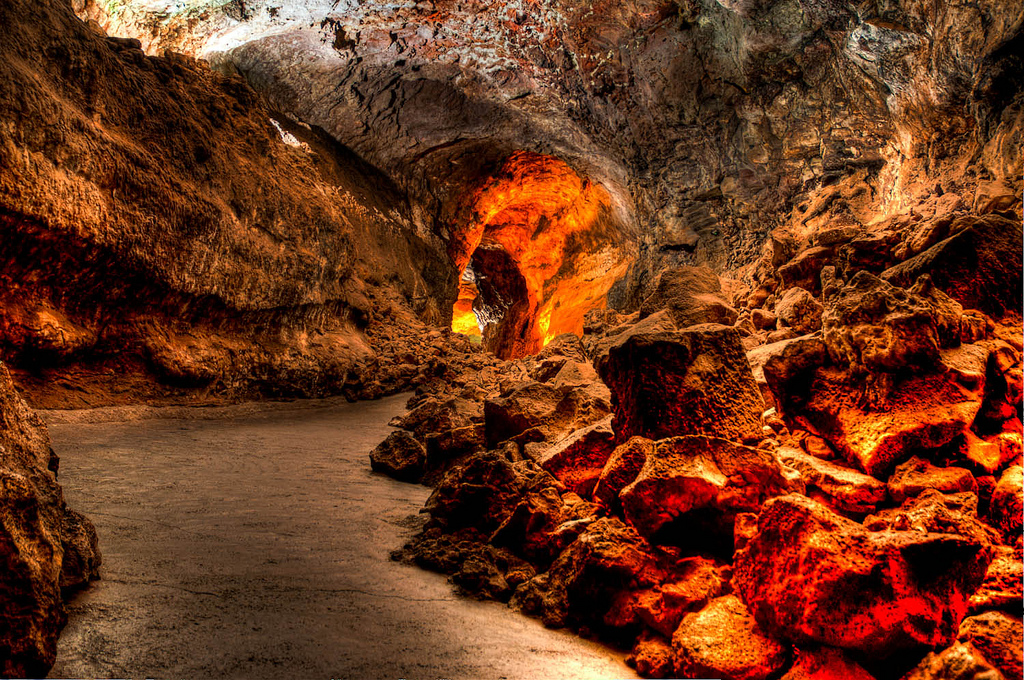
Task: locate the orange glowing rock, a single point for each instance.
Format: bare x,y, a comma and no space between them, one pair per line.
561,233
463,318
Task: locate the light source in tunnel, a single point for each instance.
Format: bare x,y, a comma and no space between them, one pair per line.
543,246
464,319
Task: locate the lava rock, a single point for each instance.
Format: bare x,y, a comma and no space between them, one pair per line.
723,641
786,368
1002,587
936,512
691,295
799,310
842,489
958,662
579,459
694,583
825,663
804,270
695,381
999,638
917,474
400,456
812,576
622,468
1007,502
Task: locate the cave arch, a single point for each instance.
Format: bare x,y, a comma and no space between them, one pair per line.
536,246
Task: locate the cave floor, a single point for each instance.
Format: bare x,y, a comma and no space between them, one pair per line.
253,541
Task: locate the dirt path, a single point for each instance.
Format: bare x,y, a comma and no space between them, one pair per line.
255,544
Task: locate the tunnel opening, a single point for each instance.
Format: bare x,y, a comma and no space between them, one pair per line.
537,246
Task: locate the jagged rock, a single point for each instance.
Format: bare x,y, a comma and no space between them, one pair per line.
44,546
915,475
448,445
979,265
691,296
1002,587
1007,502
921,412
599,344
785,369
400,456
999,638
543,524
825,663
959,662
723,641
842,489
763,320
551,411
652,656
799,310
622,468
935,512
812,576
695,381
578,460
694,582
713,477
436,415
804,270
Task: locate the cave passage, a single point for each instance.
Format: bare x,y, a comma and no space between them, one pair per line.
254,541
539,248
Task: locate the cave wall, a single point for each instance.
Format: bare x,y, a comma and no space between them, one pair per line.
711,123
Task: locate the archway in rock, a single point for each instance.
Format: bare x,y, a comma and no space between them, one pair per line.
538,247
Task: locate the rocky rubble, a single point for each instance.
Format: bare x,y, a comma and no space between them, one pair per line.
861,520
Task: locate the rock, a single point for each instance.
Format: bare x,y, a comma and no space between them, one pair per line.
842,489
543,524
712,477
785,368
723,641
979,265
443,447
622,468
694,583
691,296
695,381
1007,502
999,638
804,270
799,310
959,662
578,460
552,412
921,412
436,415
987,456
1001,588
825,663
917,474
813,577
936,512
598,345
44,546
763,320
875,327
652,656
400,456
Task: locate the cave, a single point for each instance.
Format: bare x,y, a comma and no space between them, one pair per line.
547,339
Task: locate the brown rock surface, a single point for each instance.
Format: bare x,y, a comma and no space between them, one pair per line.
1005,508
825,663
400,456
999,638
811,576
1002,587
691,295
578,460
695,381
841,488
959,662
916,475
798,310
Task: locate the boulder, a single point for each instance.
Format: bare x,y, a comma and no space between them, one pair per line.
723,641
1001,588
936,512
958,662
695,381
578,460
691,296
804,270
712,476
543,411
999,638
652,656
813,577
921,412
437,415
695,582
544,523
917,474
785,369
798,310
400,456
979,265
825,663
622,468
1007,502
842,489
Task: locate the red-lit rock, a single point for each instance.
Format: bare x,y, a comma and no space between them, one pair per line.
400,456
841,488
552,411
804,270
695,381
813,577
935,512
723,641
543,524
652,656
694,582
915,475
696,473
958,662
825,663
1007,502
999,638
785,368
1002,587
578,460
691,295
622,468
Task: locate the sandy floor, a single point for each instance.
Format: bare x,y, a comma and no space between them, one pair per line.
254,543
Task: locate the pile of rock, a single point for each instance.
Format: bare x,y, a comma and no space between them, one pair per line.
826,484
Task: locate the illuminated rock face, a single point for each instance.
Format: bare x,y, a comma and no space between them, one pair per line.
544,248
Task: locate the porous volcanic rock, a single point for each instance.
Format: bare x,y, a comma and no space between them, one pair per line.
578,460
723,641
958,662
400,456
691,295
1002,587
842,489
917,474
825,663
999,638
797,309
812,576
621,469
694,381
936,512
1005,508
44,545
